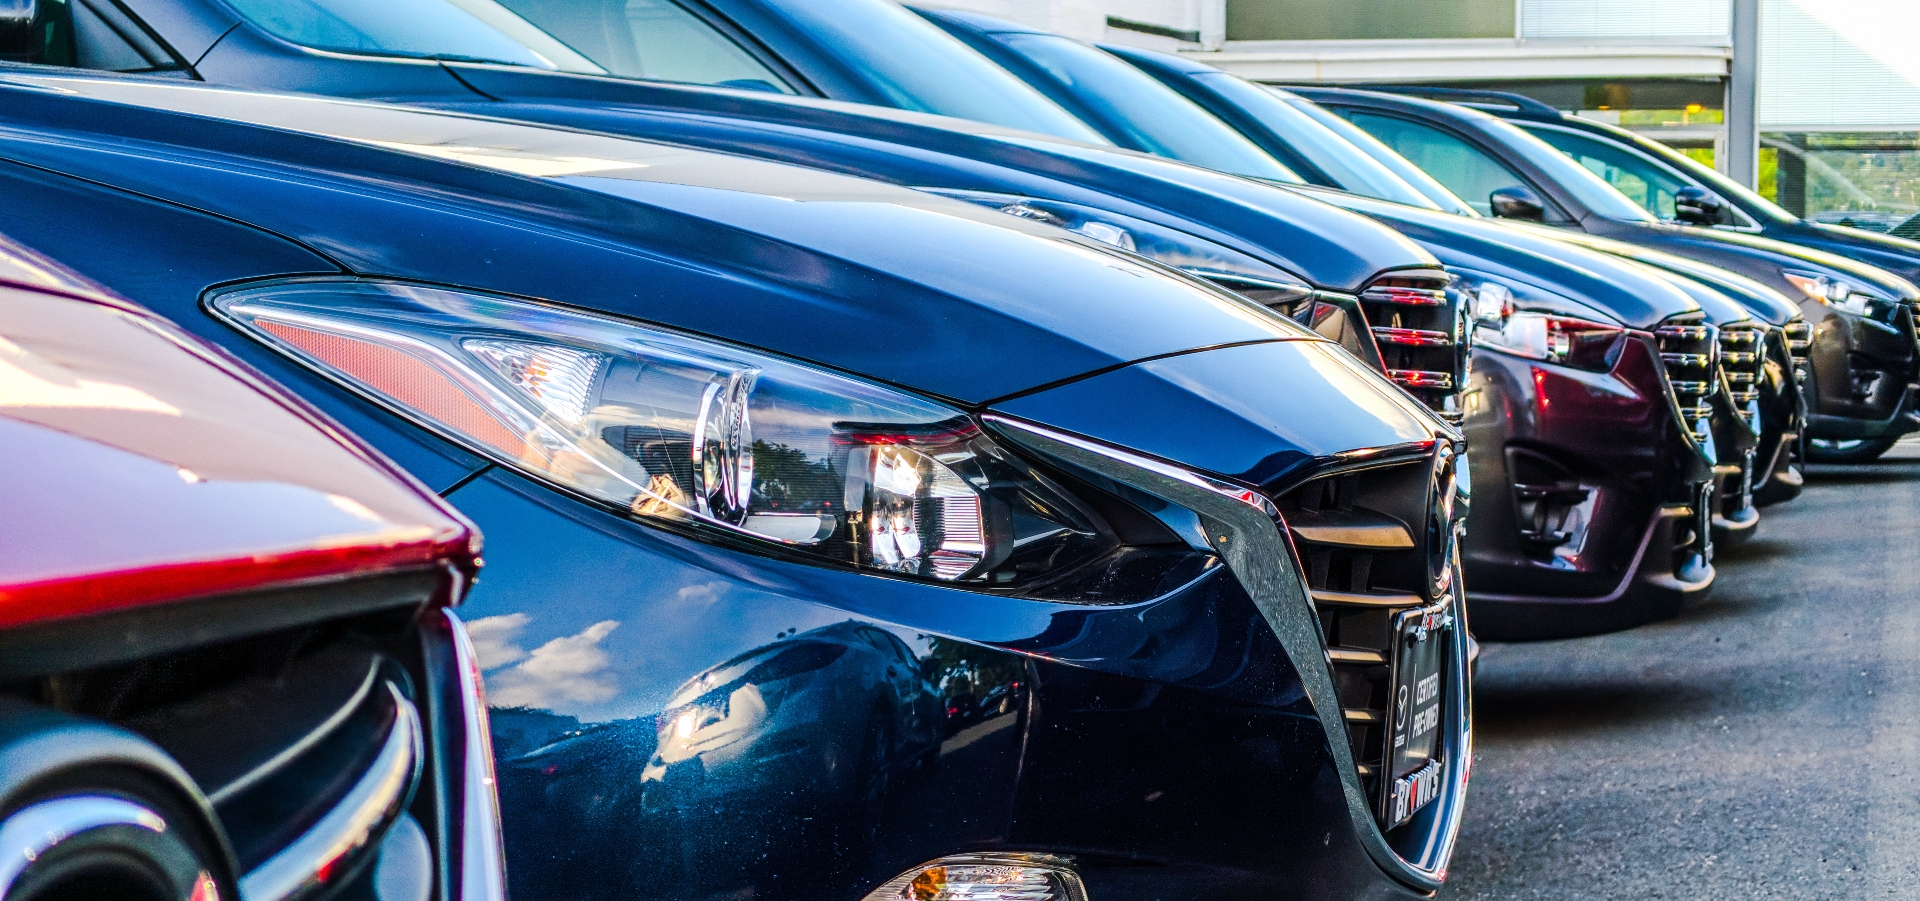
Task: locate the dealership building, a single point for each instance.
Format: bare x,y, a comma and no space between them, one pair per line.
1837,96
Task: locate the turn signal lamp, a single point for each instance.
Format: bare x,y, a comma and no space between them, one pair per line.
986,877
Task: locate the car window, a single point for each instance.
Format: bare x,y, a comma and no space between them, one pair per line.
919,67
1349,166
1464,169
415,28
1155,117
1746,203
1642,180
655,39
96,34
1589,189
1366,143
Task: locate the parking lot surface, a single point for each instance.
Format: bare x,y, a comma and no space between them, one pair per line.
1765,744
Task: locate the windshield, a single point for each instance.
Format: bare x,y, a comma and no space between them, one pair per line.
1349,167
652,39
919,67
1154,117
1380,153
1591,190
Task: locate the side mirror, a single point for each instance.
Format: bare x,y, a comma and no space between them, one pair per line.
1517,202
19,40
1696,205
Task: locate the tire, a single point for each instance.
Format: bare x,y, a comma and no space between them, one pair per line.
1852,450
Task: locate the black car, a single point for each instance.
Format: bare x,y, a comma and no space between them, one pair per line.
1678,188
1864,359
778,467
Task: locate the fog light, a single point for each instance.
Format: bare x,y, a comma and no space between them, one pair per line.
986,877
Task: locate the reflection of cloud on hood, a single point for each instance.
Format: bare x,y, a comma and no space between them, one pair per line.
564,669
493,639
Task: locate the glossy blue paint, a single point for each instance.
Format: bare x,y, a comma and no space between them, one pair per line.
679,713
1320,398
1327,248
804,278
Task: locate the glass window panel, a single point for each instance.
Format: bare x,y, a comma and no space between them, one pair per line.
1463,168
1643,181
1154,116
919,67
654,39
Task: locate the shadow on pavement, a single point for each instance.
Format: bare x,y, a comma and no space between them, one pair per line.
1544,709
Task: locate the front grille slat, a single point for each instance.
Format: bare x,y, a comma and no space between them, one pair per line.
1411,337
1360,656
1743,365
1416,322
1690,352
1366,556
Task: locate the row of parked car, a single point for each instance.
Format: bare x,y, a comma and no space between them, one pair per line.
921,457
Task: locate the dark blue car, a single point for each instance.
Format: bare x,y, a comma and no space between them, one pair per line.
611,66
844,541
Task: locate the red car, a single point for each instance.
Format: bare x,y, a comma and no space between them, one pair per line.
229,664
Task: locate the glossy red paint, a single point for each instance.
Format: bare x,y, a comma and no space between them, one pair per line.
139,467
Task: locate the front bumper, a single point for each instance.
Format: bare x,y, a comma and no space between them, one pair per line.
1095,733
1595,504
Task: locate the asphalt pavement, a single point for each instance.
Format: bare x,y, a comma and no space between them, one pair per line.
1765,744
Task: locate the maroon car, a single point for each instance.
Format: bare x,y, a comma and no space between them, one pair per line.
229,666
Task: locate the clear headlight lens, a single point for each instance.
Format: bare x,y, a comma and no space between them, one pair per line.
986,877
1835,292
1240,272
1552,337
669,427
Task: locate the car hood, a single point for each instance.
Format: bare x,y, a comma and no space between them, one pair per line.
1757,299
898,285
1899,256
1326,246
1314,402
1731,249
1625,292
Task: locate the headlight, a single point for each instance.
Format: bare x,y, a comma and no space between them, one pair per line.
1240,272
1837,293
680,430
1537,335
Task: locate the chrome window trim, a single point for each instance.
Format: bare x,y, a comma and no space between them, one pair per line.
1246,530
482,856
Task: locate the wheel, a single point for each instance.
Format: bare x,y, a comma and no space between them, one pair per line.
1848,450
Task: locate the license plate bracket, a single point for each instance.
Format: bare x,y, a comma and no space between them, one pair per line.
1415,707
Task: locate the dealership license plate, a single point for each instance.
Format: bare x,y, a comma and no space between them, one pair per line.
1416,708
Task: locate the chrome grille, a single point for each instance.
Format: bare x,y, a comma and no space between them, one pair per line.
1743,364
1418,327
1690,353
1799,338
1365,566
